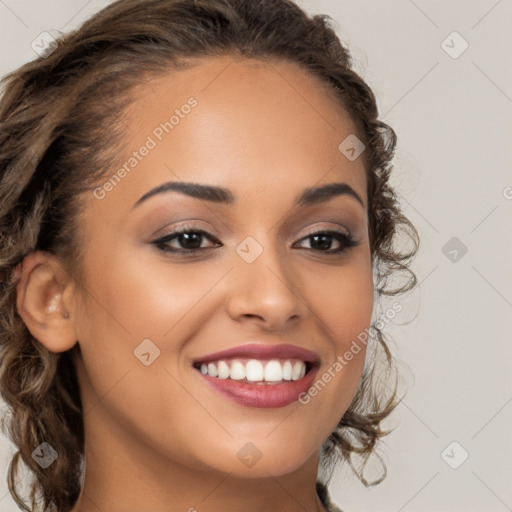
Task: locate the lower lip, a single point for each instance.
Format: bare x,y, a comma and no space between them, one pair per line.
262,395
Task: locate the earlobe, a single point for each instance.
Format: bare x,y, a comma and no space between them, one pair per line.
44,293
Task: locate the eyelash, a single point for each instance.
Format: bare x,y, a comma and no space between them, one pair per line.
347,241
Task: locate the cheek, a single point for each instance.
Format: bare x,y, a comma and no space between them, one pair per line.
351,323
343,302
165,305
135,299
343,306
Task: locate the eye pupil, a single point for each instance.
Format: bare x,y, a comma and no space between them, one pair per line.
192,240
323,244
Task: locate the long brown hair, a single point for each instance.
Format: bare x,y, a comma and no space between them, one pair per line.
65,108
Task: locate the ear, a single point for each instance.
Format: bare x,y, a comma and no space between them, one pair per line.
45,298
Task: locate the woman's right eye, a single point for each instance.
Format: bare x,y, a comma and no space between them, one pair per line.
189,239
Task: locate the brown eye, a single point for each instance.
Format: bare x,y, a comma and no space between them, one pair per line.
189,240
322,240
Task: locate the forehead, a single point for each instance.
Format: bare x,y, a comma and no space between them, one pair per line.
248,124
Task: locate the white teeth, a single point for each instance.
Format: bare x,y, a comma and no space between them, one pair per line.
223,370
237,371
273,371
212,370
299,370
287,370
254,370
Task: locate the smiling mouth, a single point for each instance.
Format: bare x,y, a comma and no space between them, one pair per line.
256,371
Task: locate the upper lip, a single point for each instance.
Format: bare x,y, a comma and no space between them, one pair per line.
262,351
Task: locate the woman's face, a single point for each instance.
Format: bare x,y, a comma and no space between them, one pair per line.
148,309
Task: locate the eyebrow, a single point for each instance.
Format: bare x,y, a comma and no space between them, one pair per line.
309,196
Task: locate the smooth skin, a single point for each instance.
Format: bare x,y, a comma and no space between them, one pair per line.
157,437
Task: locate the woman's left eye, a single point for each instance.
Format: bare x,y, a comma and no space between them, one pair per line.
321,239
190,241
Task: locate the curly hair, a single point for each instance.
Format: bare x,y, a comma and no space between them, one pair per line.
65,108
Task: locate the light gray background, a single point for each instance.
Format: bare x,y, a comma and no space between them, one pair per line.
452,168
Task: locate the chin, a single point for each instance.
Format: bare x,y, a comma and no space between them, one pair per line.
246,459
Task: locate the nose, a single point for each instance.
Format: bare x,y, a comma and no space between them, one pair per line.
266,291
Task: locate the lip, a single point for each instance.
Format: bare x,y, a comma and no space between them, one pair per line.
262,351
261,395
